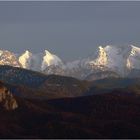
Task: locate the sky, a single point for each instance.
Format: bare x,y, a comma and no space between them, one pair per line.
71,29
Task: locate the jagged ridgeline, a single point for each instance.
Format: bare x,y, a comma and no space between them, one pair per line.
118,61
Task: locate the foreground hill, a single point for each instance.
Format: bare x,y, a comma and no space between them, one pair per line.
32,84
110,115
29,108
109,84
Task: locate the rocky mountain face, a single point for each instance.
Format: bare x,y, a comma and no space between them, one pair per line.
119,59
116,59
9,58
40,61
7,99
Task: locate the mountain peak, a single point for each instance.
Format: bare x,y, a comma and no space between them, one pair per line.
8,58
100,47
102,57
133,60
134,50
120,59
50,59
27,52
25,59
47,52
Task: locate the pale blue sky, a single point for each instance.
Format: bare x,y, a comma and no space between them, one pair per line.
69,29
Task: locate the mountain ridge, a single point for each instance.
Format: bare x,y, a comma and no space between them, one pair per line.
119,59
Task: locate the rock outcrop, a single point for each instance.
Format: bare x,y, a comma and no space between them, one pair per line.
7,100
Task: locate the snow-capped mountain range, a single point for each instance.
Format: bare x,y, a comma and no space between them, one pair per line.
119,59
